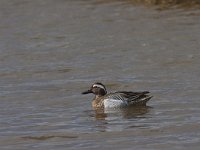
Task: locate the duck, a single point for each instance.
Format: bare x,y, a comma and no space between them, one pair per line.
119,99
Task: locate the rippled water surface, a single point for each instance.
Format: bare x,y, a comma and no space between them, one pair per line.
51,51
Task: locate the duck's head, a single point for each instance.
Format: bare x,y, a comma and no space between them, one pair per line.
97,89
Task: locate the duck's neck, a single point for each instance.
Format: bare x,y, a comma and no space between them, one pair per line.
98,96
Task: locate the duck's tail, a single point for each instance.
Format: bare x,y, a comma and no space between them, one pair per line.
141,101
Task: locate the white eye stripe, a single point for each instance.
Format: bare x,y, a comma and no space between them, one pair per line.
99,86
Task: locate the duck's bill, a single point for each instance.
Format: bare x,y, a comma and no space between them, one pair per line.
87,92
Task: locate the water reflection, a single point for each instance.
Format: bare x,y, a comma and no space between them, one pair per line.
127,113
120,119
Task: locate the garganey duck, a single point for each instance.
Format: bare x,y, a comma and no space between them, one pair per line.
117,99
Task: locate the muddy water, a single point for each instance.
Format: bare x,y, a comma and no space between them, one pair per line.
51,51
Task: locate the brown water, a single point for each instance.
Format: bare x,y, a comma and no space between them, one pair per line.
51,51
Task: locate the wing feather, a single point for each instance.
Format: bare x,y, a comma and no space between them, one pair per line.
135,97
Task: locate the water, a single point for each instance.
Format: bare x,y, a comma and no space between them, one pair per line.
51,51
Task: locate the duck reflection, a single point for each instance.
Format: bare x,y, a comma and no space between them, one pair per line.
127,113
107,120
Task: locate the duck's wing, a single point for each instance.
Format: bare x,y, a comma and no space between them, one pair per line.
116,96
115,100
134,98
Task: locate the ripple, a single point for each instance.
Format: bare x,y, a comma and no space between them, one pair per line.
47,137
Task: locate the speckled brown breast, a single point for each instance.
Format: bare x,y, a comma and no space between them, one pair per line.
98,103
